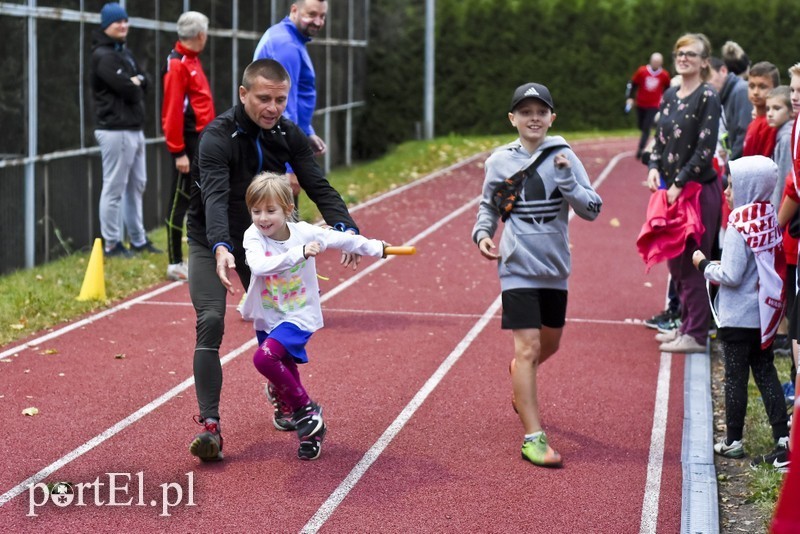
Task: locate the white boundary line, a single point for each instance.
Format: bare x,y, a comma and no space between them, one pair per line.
652,488
141,412
88,320
335,499
338,495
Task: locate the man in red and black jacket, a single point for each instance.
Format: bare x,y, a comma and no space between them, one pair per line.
187,108
242,142
649,81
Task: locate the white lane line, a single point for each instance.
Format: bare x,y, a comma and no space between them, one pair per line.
32,344
652,488
336,498
129,420
111,431
338,495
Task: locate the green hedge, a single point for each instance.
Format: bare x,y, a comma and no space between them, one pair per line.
583,50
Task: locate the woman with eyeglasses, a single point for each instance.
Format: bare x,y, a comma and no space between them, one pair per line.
685,143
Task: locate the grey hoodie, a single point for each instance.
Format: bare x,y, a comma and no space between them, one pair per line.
534,247
753,179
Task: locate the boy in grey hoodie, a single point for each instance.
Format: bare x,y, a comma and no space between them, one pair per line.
750,304
531,184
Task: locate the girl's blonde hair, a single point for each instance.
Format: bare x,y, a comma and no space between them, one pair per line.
270,186
705,53
794,70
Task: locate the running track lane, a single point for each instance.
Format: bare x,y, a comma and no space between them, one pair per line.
387,334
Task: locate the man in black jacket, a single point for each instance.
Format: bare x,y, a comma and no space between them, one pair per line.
118,88
247,139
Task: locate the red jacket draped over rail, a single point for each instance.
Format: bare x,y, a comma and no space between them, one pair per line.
668,228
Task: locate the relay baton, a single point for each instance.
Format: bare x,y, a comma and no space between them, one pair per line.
400,251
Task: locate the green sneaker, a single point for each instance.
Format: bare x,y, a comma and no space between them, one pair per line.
538,452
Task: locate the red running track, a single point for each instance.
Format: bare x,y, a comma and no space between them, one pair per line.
412,371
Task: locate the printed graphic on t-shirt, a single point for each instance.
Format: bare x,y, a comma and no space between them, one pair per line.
284,292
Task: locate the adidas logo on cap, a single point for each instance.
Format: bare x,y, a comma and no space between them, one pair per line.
532,90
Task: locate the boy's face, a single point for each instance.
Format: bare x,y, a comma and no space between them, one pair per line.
758,87
794,94
532,118
777,112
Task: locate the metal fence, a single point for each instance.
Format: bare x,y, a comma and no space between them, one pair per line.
50,171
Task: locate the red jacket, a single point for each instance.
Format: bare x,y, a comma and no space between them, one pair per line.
188,105
759,140
668,228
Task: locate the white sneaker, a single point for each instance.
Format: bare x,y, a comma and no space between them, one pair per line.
178,271
669,335
683,343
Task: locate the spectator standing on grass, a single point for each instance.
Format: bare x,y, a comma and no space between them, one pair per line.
683,152
645,88
187,108
750,304
242,142
760,137
118,90
286,42
737,109
534,256
779,116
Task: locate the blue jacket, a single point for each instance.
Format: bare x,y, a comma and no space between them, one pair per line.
286,45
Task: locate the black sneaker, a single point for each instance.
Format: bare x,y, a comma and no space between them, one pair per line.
119,251
661,318
207,445
777,459
308,420
147,247
311,447
782,346
282,415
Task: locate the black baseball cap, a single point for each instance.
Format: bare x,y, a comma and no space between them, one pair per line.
532,90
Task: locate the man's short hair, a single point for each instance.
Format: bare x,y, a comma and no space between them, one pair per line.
765,69
268,69
716,63
191,24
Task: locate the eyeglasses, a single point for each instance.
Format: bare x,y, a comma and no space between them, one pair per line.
685,53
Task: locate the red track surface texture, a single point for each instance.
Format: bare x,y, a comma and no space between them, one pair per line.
405,452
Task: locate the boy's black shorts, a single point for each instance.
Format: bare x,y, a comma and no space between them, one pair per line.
534,308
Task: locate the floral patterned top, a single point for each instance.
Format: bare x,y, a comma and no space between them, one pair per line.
686,136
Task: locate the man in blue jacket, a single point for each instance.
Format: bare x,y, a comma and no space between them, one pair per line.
285,42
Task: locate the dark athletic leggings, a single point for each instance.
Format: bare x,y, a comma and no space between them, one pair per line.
742,351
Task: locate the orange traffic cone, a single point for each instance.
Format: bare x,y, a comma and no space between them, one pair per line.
94,283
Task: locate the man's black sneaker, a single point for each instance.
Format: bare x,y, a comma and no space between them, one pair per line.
311,447
777,459
308,420
119,250
660,318
207,445
782,346
147,247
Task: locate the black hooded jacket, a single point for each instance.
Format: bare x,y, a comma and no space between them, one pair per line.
118,102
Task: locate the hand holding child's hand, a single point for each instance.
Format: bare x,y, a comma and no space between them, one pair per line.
697,257
561,161
311,249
